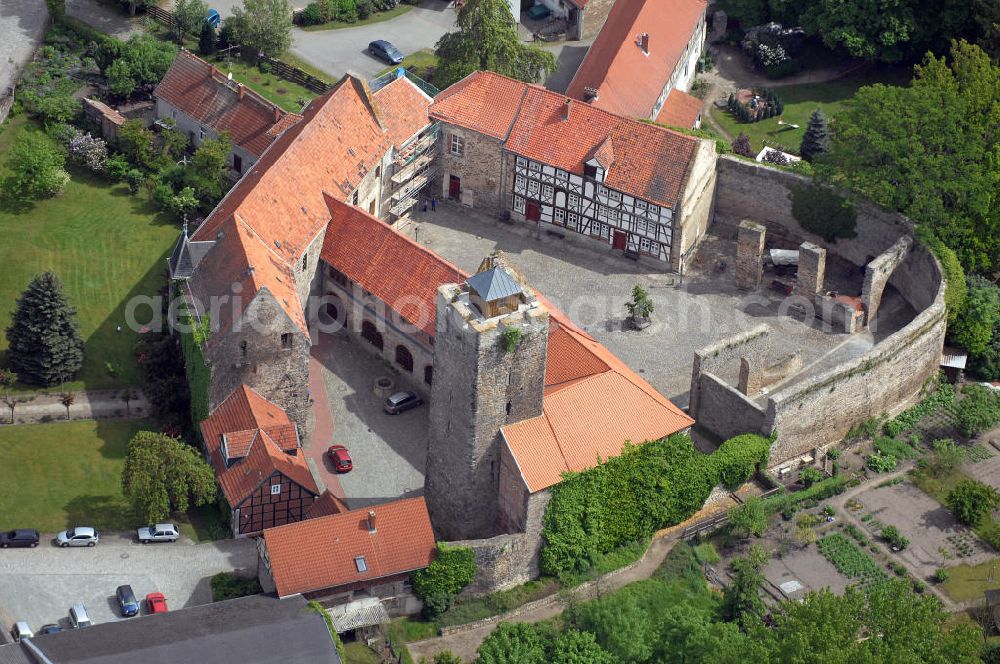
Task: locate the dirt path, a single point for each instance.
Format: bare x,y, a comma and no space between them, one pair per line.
87,404
465,644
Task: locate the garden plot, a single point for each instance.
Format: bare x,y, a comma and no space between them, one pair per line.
936,538
986,469
809,568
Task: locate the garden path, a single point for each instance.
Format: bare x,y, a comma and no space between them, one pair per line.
87,404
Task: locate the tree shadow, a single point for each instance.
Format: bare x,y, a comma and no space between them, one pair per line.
101,512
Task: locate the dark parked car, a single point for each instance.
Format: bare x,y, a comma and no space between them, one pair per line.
127,602
383,50
19,537
340,458
400,402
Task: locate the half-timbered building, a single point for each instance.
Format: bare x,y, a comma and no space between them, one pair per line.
255,451
574,170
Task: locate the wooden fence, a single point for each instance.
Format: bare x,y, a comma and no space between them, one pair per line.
282,69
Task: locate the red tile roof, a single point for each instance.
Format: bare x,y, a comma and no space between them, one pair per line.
593,404
241,256
402,106
321,553
628,81
647,161
199,90
403,274
482,101
331,150
256,426
326,505
680,110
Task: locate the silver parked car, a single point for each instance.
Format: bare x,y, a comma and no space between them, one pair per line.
78,616
82,536
159,532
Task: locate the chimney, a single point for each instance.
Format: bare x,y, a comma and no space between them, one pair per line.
250,270
277,114
371,521
643,41
239,89
590,94
213,71
566,108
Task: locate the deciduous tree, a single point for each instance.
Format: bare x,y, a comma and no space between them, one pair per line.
162,474
189,16
36,169
748,519
512,642
971,500
45,345
487,39
263,25
576,647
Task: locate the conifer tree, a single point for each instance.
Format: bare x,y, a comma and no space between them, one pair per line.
45,345
816,140
206,40
741,146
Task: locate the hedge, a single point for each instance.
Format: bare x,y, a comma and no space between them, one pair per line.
199,376
631,496
453,568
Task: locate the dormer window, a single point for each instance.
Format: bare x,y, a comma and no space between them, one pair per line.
590,171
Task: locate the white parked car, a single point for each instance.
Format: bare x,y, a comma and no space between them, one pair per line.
159,532
21,631
82,536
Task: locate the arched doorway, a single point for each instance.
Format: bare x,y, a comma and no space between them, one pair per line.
404,358
371,334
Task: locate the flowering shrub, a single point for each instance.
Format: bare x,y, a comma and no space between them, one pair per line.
90,151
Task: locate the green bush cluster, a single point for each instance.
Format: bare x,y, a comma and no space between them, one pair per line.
226,585
977,411
944,395
788,503
823,211
199,375
633,495
895,447
453,568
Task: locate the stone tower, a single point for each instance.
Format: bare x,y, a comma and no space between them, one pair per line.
490,341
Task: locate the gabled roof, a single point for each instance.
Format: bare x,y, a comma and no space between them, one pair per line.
323,552
106,111
482,101
326,505
257,433
593,404
281,198
647,161
258,629
494,284
200,91
403,274
403,109
241,256
680,110
629,81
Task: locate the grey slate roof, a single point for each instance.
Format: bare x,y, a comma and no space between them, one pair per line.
13,653
186,255
494,284
258,629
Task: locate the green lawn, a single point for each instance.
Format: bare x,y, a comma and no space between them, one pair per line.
289,96
800,101
106,246
65,474
358,653
969,582
377,17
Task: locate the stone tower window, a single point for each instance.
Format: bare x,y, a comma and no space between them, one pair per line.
243,349
508,409
457,145
305,261
286,340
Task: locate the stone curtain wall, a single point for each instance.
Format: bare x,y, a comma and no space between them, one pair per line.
819,411
752,344
724,410
748,190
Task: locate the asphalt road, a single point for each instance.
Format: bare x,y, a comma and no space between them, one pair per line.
39,585
346,50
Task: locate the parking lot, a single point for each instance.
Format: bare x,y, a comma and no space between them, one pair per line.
39,585
389,451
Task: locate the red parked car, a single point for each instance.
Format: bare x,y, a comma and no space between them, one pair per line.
340,458
156,603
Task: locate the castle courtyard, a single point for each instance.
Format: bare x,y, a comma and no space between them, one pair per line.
591,285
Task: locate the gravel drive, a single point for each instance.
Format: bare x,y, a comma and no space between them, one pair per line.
39,585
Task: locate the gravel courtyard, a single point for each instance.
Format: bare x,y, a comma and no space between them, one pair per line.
39,585
592,285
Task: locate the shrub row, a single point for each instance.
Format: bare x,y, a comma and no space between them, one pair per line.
942,396
631,496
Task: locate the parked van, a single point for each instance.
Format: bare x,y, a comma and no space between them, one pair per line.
78,616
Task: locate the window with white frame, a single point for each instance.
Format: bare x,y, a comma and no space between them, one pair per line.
601,191
519,181
561,174
560,216
457,145
640,225
518,204
522,162
534,166
640,205
573,221
533,188
654,210
548,192
574,201
615,196
644,244
275,489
